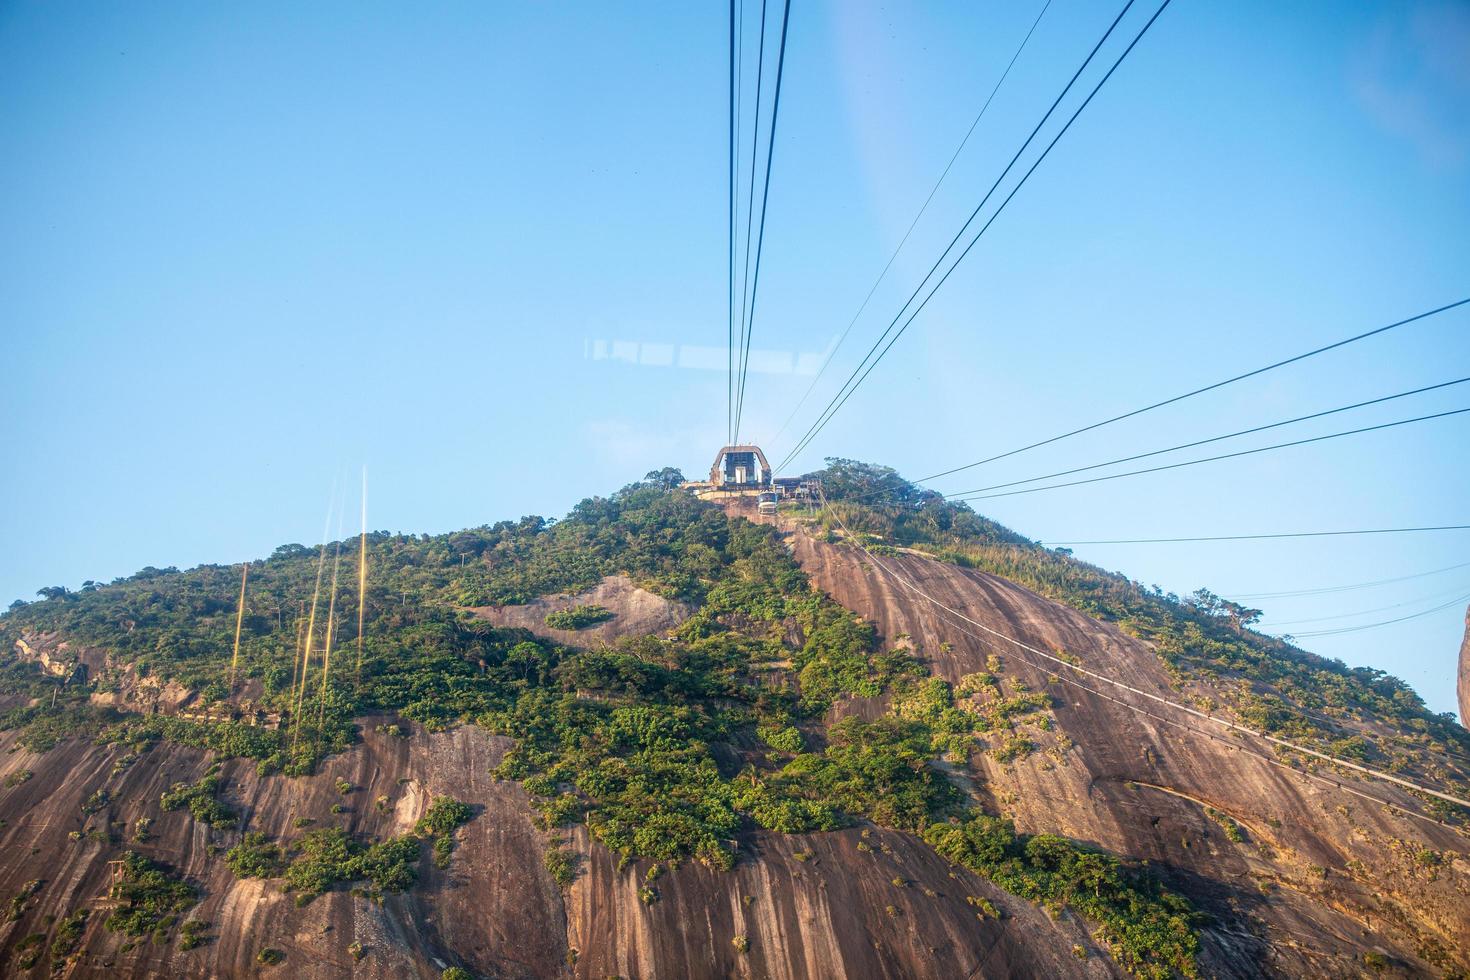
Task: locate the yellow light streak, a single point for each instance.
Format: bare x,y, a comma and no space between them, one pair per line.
239,622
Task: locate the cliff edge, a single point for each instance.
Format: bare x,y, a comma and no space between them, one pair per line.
1464,685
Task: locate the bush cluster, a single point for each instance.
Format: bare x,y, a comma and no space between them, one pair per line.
201,799
150,897
578,617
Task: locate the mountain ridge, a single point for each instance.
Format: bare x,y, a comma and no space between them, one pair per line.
826,684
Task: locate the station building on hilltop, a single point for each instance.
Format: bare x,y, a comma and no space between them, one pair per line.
743,471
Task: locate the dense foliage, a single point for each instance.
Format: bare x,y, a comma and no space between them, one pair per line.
444,816
201,799
330,857
420,658
255,856
578,617
327,858
150,898
1149,930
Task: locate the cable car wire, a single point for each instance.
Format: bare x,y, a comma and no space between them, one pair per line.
1387,622
1262,537
761,237
1214,459
730,242
852,385
750,207
1272,625
1200,391
915,223
1327,590
958,494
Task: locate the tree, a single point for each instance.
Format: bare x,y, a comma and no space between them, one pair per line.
1205,601
669,477
1237,615
53,592
1240,616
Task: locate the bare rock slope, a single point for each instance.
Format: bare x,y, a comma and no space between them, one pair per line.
1320,877
635,612
807,905
467,909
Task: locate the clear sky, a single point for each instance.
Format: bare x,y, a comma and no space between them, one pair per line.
246,249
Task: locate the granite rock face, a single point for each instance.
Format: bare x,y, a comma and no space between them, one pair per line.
1144,786
1464,685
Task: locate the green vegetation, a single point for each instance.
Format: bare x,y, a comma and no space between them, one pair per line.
444,816
14,779
30,948
328,857
443,851
578,617
68,933
987,909
150,898
192,934
787,739
421,659
270,956
324,859
879,770
256,856
19,899
1015,747
201,799
562,864
1148,930
1232,829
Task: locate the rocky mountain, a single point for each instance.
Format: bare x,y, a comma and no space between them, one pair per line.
883,737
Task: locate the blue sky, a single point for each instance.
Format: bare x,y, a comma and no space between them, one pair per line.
480,249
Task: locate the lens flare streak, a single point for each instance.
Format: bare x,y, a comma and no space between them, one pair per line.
239,622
